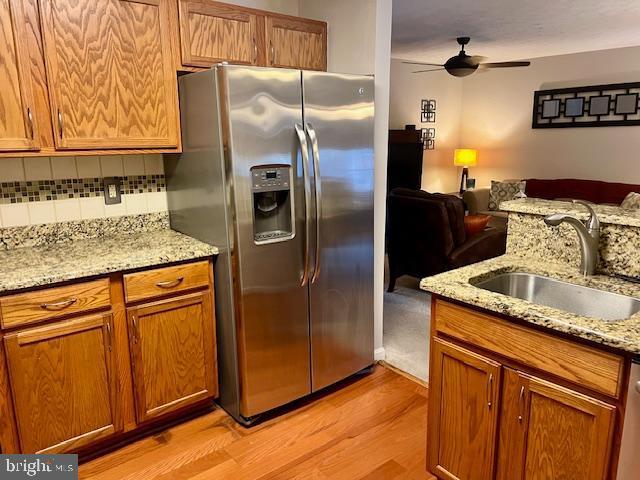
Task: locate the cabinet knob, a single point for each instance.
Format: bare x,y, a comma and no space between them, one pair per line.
638,386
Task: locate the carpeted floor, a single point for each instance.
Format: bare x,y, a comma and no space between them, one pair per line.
406,327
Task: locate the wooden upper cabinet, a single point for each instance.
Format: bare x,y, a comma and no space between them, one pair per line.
548,431
296,43
172,345
18,130
112,81
213,32
64,384
463,413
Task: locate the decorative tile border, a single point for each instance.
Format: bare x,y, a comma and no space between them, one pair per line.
43,190
63,232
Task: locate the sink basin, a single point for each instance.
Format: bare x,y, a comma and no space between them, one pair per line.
584,301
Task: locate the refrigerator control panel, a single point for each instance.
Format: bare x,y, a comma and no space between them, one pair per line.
272,203
266,179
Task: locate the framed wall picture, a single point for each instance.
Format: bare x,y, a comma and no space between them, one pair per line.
428,117
574,107
551,109
627,104
599,105
612,105
428,105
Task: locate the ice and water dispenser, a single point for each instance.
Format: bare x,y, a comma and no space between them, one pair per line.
272,203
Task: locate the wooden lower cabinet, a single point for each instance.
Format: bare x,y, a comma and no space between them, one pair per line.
489,419
463,413
548,431
64,384
172,344
121,358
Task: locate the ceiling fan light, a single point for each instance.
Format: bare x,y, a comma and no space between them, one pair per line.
461,72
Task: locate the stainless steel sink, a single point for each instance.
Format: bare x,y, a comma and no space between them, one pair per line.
585,301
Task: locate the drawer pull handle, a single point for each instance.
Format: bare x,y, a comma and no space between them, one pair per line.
30,120
109,341
59,305
170,283
521,404
136,332
490,390
255,51
60,124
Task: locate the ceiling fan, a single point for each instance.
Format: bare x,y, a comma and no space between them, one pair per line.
462,64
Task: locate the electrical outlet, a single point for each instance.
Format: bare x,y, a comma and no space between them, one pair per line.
111,186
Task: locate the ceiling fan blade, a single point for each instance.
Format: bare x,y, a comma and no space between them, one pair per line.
430,70
477,58
504,64
426,64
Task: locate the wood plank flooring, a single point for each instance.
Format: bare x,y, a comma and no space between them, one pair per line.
372,428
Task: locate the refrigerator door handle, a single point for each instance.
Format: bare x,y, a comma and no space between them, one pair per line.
304,147
315,151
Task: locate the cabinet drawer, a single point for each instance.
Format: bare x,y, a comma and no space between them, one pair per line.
592,368
31,307
163,281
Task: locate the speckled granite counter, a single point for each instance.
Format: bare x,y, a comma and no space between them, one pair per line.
47,264
458,285
606,214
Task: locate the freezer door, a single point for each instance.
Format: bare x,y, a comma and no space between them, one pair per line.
338,114
260,108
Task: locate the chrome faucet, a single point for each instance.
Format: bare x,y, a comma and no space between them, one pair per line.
588,235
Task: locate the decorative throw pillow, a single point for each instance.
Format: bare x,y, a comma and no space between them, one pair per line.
631,201
503,191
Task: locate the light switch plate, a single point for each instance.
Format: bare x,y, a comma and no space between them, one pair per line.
111,187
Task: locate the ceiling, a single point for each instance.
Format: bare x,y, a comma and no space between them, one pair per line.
425,30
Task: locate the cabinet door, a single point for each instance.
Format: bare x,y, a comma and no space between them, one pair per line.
464,392
64,384
173,354
112,82
548,431
212,32
296,43
17,128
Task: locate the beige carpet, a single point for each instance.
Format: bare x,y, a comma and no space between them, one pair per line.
406,327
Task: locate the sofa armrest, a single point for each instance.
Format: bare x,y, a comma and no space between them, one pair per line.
476,200
488,244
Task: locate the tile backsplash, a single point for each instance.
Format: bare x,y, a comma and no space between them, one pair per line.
36,190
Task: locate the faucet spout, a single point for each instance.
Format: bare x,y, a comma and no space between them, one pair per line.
589,236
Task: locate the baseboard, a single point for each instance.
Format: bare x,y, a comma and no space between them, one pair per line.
379,354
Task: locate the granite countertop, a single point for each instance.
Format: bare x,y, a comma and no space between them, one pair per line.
47,264
606,213
458,285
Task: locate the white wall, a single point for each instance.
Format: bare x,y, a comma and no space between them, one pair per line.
351,32
497,111
288,7
359,41
407,91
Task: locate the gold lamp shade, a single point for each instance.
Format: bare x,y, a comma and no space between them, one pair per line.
465,157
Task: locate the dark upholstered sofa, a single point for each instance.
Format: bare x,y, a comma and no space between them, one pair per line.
595,191
426,235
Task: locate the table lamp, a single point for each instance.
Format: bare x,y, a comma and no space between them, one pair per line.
465,157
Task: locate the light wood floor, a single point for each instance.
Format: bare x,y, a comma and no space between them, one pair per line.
373,428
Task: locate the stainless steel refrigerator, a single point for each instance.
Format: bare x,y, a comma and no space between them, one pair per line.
277,172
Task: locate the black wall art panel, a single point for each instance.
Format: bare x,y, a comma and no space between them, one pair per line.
612,105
